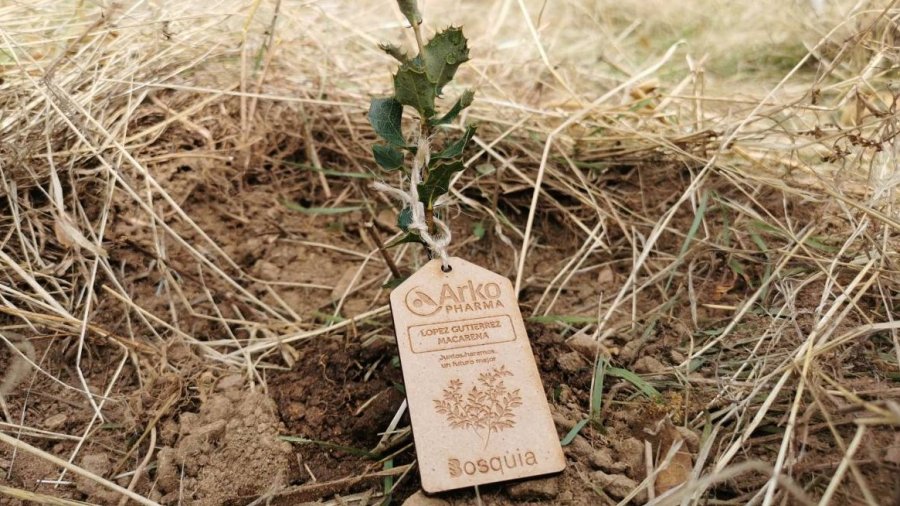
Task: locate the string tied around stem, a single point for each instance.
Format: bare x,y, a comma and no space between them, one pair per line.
437,242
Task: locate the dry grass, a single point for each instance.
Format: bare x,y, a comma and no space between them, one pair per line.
734,169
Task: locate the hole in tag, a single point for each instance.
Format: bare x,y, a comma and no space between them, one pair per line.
446,268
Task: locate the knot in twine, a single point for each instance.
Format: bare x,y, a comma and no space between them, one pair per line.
436,243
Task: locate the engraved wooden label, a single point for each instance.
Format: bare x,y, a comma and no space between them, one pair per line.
478,409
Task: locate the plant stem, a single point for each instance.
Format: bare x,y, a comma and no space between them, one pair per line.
373,231
417,29
429,219
425,148
424,132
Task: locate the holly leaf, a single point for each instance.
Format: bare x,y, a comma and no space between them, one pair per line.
412,87
438,182
465,100
394,283
404,219
387,157
409,237
385,115
455,148
443,55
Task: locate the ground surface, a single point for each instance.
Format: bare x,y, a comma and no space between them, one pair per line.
191,297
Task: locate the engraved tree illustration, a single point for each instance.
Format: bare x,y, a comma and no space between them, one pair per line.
486,408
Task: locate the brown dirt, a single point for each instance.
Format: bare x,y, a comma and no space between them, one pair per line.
218,438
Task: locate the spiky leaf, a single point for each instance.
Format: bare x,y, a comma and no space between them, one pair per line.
443,55
410,9
438,182
455,148
408,237
394,282
385,115
387,157
404,219
412,88
465,100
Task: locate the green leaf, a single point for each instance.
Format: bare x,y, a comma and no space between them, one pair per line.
387,157
568,438
395,51
394,283
388,480
597,389
404,219
320,210
443,55
384,115
409,237
438,182
478,230
410,9
455,148
412,88
638,382
465,100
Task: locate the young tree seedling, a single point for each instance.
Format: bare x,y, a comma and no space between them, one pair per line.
418,83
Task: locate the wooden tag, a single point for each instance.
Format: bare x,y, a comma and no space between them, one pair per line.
478,409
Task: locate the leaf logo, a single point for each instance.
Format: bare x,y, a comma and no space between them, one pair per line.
421,303
486,408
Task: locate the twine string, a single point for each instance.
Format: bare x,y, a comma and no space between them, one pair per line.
437,243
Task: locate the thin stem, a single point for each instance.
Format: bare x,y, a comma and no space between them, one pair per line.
417,29
373,231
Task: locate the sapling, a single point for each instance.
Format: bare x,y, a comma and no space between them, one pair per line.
418,83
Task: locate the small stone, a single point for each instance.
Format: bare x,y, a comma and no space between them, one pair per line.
601,458
230,382
571,362
649,365
167,470
691,439
630,452
606,276
679,468
97,463
675,473
56,421
267,271
420,499
631,349
617,485
587,346
541,489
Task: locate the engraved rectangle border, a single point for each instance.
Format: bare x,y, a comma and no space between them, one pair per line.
509,318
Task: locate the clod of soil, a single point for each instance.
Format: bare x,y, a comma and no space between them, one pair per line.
228,453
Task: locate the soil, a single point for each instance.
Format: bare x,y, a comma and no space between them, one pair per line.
308,425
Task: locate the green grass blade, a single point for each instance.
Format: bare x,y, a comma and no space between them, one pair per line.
388,481
638,382
568,438
597,389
